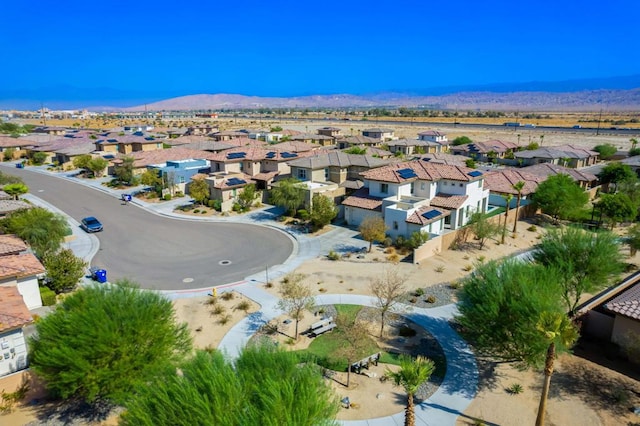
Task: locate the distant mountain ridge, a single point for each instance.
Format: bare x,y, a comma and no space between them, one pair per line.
613,93
588,100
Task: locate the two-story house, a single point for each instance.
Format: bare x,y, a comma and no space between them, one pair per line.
381,134
14,315
332,132
178,173
357,140
414,146
418,196
434,136
564,155
489,151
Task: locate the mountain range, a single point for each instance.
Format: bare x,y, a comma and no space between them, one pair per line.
615,93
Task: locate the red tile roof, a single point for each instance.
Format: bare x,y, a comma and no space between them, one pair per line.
424,170
362,200
627,303
13,311
502,181
20,265
447,201
10,244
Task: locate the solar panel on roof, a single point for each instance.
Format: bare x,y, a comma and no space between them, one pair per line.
235,181
289,155
431,214
236,155
407,173
271,154
475,173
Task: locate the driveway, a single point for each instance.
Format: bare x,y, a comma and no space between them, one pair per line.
163,253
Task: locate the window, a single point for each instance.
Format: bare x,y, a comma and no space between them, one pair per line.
460,185
422,186
412,187
241,166
384,188
181,179
480,183
326,174
395,224
302,174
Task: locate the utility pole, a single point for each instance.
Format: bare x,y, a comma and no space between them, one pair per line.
599,119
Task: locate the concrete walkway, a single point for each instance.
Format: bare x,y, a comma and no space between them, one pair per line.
459,386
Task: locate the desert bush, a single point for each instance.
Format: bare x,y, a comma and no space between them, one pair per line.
218,310
430,299
419,292
468,268
532,228
322,290
243,306
413,300
227,296
394,258
196,211
224,319
439,269
515,389
390,250
167,197
454,285
482,258
387,242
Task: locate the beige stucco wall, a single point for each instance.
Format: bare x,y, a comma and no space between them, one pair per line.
428,249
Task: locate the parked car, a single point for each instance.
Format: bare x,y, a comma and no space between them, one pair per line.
91,224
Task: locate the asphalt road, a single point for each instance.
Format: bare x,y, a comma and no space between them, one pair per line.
163,253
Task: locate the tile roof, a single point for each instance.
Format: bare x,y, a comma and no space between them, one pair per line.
547,169
10,244
444,158
556,152
311,136
20,265
256,154
359,140
424,170
378,130
502,181
411,142
417,218
9,142
486,147
5,196
8,206
13,311
447,201
337,159
431,133
186,139
294,146
626,303
159,156
351,184
265,176
362,200
207,145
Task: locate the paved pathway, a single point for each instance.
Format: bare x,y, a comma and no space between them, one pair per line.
459,386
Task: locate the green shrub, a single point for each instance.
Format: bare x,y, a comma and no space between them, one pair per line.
333,255
430,299
167,197
196,211
48,296
419,292
211,204
515,389
236,207
303,214
179,194
217,205
532,228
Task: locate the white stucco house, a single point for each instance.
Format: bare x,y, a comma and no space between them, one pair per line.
21,271
418,196
14,315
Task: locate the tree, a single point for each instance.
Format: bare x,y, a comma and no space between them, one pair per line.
152,178
606,151
518,186
323,211
295,297
470,163
8,154
247,196
373,229
97,166
507,199
356,150
617,207
412,374
355,340
199,190
42,229
169,181
288,194
560,197
124,171
387,290
512,311
633,238
586,261
104,341
266,386
461,140
614,173
81,161
38,158
15,189
64,270
483,228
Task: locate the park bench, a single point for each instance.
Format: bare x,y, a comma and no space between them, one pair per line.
322,326
364,363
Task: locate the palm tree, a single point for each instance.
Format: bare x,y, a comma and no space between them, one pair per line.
412,374
518,186
507,199
634,143
559,331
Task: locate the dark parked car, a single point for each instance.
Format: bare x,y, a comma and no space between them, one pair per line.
91,224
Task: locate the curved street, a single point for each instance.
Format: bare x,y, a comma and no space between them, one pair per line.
163,253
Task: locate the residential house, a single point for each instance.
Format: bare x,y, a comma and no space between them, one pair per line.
373,151
10,206
418,196
435,136
357,140
14,315
178,173
332,132
128,144
444,158
379,133
63,149
500,184
50,130
490,151
18,146
544,170
204,129
410,147
310,138
228,135
144,159
22,271
564,155
626,311
226,187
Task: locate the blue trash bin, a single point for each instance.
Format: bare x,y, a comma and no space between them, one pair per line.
100,275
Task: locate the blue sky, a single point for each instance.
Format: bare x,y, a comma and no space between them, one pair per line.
288,48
